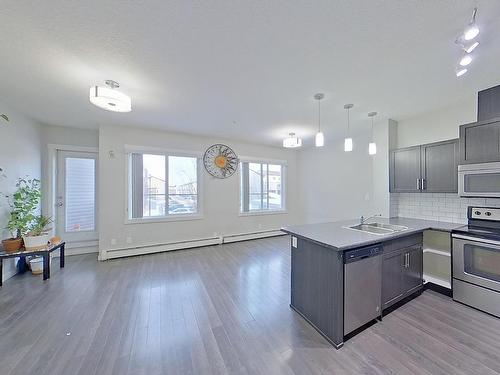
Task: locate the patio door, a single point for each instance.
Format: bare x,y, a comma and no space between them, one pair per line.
76,198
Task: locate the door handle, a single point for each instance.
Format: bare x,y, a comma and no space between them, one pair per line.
59,204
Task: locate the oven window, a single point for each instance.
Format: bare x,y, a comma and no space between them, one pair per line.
482,183
482,261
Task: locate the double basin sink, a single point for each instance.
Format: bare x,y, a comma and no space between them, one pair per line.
378,228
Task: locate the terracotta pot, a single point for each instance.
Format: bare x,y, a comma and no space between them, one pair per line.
12,245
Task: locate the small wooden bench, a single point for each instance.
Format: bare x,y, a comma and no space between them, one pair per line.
44,253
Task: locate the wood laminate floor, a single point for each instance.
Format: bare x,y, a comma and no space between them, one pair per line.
219,310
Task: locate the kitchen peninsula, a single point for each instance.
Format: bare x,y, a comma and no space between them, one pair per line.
333,291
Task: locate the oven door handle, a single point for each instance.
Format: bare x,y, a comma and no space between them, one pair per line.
476,239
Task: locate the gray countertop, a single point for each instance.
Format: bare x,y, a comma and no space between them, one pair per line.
336,236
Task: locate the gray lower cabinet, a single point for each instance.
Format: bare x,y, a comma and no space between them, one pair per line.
401,274
392,278
429,168
480,142
413,269
317,288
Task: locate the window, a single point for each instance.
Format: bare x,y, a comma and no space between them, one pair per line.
80,194
261,187
163,186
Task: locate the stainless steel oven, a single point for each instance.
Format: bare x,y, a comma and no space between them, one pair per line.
476,260
479,180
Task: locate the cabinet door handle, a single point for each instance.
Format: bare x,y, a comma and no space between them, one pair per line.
424,184
418,183
407,260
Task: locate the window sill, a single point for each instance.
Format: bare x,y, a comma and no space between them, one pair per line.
164,219
259,213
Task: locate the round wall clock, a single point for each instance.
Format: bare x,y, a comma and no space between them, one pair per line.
220,161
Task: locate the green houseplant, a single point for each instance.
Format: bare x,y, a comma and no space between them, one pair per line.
23,203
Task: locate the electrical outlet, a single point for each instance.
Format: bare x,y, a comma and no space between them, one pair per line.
260,225
113,241
128,239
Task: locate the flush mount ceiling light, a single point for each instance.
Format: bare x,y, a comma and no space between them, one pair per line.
348,140
109,98
319,141
292,141
372,146
460,72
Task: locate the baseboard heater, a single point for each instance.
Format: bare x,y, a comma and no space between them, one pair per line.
178,245
161,247
252,235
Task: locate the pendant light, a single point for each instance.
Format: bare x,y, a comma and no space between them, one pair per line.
372,146
471,30
292,141
348,140
109,98
319,141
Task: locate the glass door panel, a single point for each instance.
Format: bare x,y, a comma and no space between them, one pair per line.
76,202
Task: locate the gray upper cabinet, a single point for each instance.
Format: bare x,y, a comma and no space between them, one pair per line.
430,168
480,142
488,104
440,167
405,168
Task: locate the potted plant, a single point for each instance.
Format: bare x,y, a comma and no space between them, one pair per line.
23,204
38,235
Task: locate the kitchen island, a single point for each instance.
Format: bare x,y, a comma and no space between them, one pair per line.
318,257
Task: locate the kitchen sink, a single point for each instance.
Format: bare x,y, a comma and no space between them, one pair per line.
378,228
395,228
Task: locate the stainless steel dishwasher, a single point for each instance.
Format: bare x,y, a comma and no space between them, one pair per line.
362,286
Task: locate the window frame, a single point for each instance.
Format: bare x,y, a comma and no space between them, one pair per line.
284,184
129,150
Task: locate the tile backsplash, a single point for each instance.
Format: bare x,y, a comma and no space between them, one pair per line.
436,206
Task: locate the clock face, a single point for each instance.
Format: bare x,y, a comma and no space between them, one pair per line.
220,161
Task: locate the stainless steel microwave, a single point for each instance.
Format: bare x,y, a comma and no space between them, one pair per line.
479,180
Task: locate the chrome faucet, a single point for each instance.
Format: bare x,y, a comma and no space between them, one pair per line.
362,219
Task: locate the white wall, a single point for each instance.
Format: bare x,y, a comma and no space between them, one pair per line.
221,206
20,155
385,136
438,125
333,184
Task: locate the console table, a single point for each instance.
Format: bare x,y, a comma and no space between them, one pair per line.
44,253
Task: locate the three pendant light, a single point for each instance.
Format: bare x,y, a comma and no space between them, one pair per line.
319,140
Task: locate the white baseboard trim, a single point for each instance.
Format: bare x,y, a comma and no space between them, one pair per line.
156,248
77,251
252,235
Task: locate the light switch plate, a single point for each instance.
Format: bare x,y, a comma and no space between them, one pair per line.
294,242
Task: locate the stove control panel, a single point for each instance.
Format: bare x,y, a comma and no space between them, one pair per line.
484,213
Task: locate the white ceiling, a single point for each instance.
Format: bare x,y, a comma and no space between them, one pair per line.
241,69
